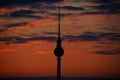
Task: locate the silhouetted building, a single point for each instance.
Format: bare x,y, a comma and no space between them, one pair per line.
59,50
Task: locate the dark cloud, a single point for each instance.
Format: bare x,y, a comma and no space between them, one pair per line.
14,39
16,24
92,36
104,1
24,14
108,52
7,26
87,13
8,40
87,36
73,8
105,6
2,30
114,37
110,8
113,28
24,2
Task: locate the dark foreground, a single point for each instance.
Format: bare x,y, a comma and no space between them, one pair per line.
53,78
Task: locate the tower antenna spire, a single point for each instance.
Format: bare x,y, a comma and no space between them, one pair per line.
58,51
59,21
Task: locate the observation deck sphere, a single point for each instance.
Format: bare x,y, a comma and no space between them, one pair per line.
59,51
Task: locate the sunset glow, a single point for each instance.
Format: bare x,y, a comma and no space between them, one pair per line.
90,32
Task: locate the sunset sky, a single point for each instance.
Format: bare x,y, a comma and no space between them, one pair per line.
90,31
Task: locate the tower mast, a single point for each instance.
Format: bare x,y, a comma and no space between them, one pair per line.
59,50
59,21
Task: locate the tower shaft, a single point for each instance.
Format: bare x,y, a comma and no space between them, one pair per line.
58,68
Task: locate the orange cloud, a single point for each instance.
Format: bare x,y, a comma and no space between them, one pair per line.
44,22
26,26
1,20
42,52
47,21
6,50
3,9
28,43
17,27
2,44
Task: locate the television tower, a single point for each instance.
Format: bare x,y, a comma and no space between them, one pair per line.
59,50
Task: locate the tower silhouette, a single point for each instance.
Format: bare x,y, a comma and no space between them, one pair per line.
59,50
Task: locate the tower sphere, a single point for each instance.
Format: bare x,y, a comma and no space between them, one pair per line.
59,51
